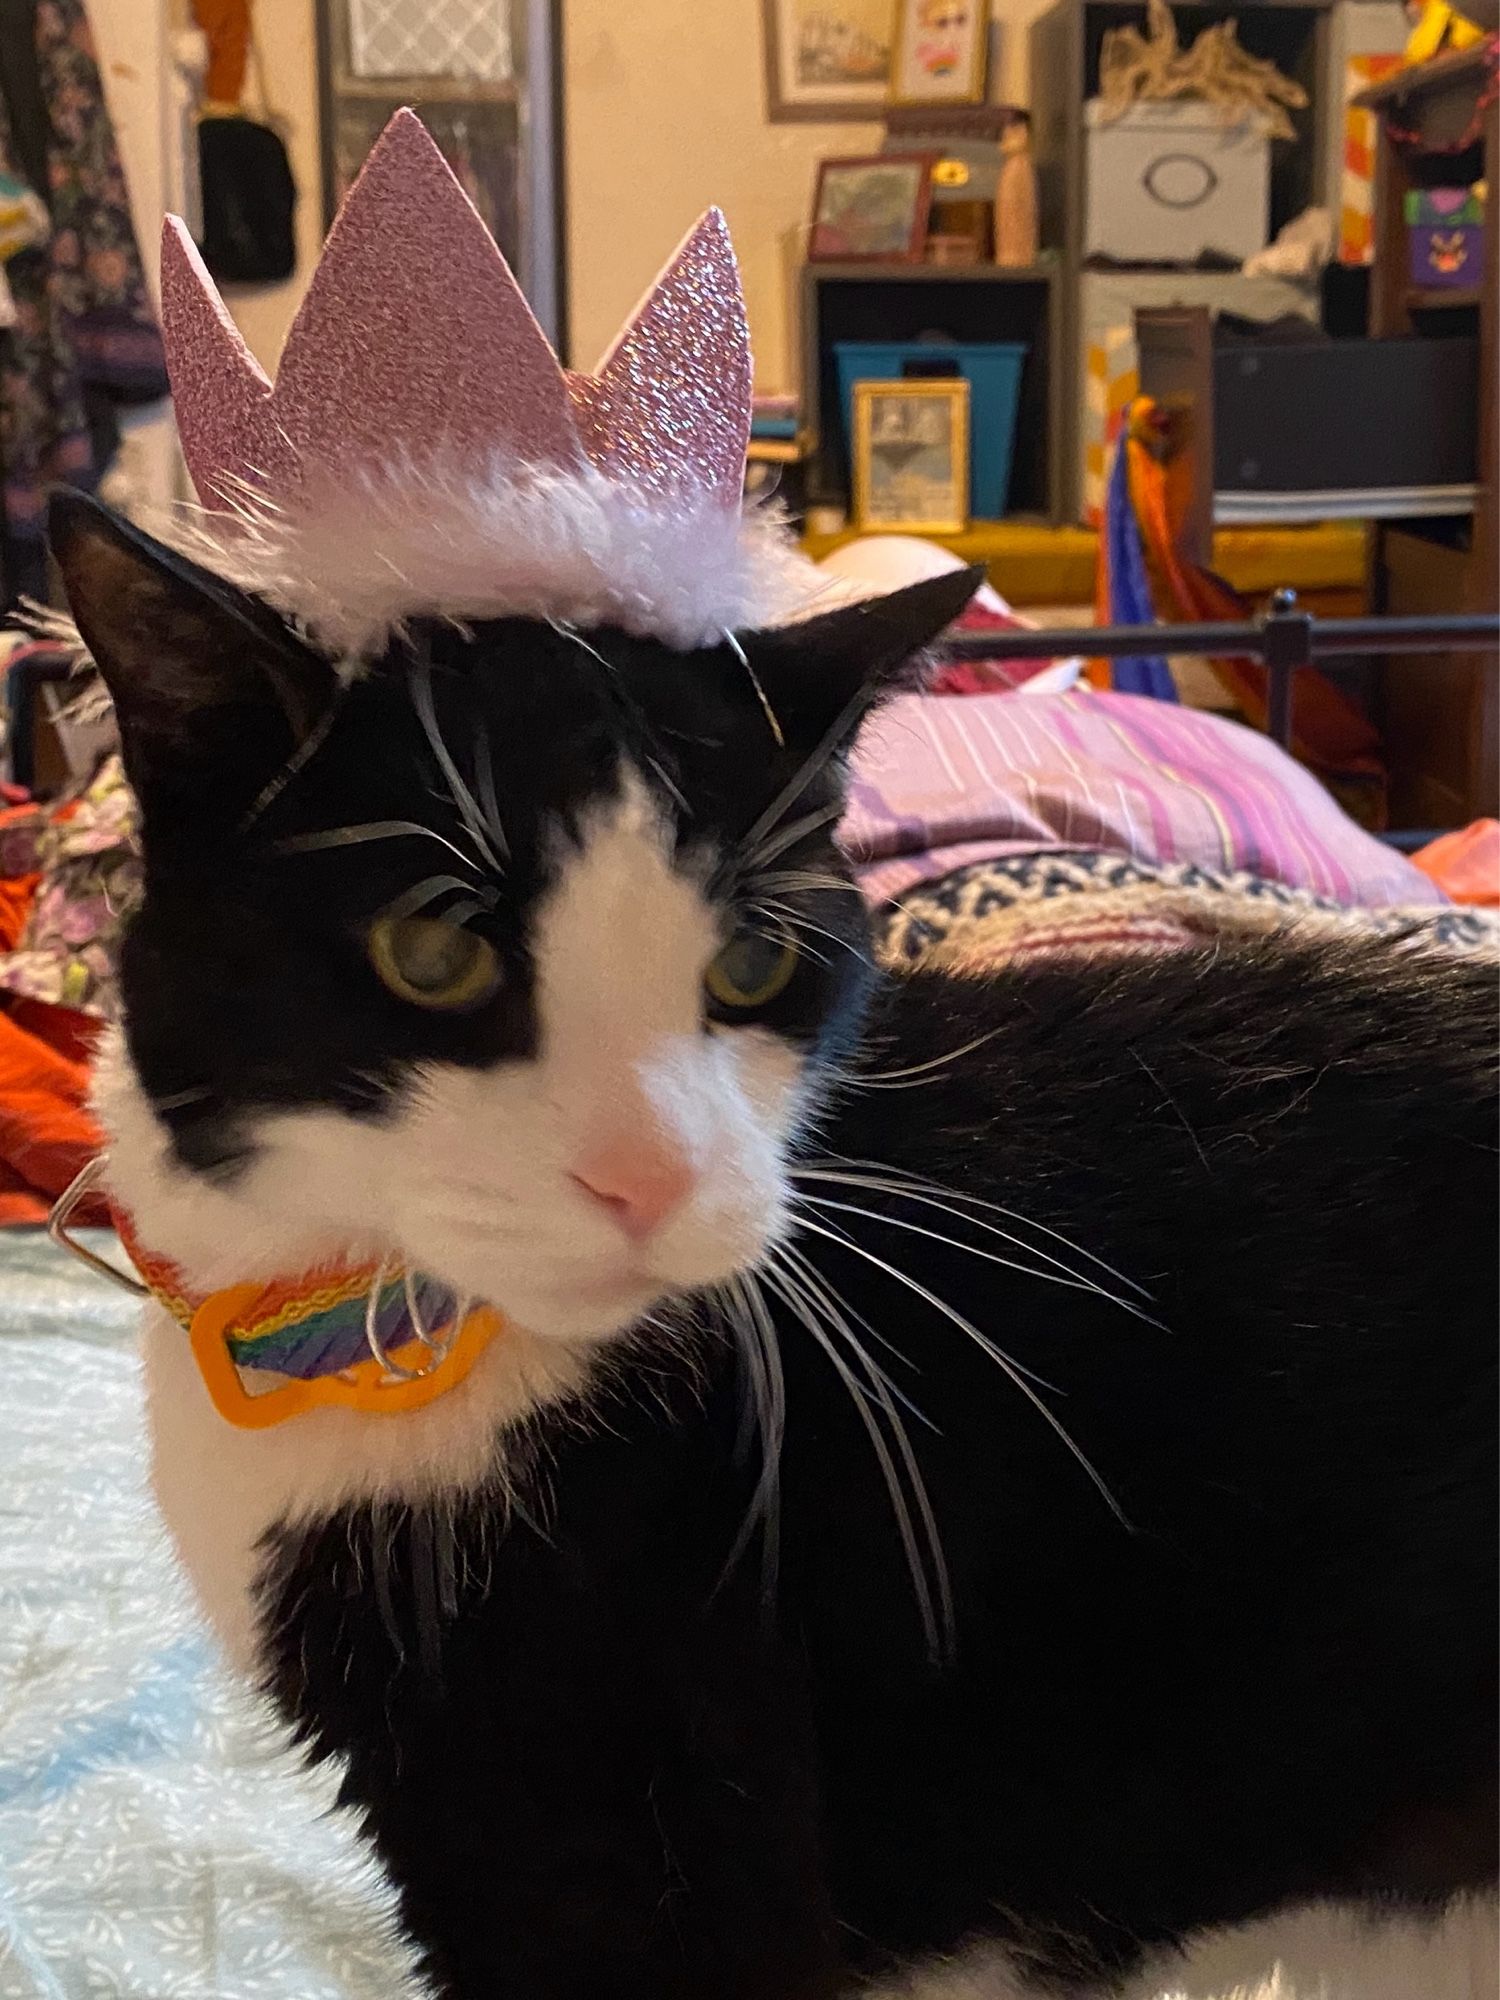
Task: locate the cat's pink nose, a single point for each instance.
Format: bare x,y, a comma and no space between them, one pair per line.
640,1181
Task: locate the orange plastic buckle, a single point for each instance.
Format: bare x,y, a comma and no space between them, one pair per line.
365,1387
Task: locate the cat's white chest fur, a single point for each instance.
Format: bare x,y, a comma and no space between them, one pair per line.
468,1177
222,1489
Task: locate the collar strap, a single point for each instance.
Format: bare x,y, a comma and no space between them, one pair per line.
318,1323
372,1337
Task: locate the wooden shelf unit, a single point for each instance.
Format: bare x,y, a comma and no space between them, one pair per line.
1442,732
971,302
1064,45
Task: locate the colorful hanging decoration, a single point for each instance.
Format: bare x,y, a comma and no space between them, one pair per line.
1151,486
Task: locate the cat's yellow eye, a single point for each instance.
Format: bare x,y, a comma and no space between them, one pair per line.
750,971
433,964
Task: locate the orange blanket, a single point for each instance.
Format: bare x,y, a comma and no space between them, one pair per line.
46,1131
1466,864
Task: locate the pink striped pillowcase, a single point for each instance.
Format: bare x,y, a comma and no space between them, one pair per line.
939,784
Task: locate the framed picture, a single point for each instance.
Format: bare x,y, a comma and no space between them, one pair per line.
911,456
872,210
827,59
941,52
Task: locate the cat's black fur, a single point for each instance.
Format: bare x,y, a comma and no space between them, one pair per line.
1276,1683
599,1766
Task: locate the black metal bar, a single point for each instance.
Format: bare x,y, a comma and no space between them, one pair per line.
1477,632
1288,635
1327,638
1280,675
1104,642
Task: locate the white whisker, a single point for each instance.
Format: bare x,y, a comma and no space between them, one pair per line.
897,1078
936,1624
839,1309
877,1185
773,842
300,758
814,881
765,1413
484,772
997,1354
921,1184
428,891
794,919
731,639
822,1202
778,928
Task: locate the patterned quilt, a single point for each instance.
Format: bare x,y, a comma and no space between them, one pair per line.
1028,906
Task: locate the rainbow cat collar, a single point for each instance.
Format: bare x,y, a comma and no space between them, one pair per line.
375,1338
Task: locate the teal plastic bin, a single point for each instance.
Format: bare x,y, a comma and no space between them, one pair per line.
992,370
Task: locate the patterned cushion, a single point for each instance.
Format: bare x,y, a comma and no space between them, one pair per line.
1034,906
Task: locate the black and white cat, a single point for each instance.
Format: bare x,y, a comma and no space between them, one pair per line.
985,1480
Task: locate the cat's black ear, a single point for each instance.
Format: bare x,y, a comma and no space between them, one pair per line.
212,690
844,661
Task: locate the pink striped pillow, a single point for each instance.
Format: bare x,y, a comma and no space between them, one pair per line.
938,784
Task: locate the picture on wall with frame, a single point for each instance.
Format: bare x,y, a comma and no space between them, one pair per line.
826,59
941,52
873,209
911,456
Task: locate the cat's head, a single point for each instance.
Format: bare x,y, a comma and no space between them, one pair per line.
521,953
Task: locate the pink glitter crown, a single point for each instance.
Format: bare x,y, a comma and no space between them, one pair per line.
414,349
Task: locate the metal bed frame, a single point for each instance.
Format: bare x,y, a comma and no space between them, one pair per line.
1284,638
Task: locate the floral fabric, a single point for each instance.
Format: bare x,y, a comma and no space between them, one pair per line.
86,856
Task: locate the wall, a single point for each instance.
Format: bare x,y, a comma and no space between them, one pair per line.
664,115
288,43
134,44
135,40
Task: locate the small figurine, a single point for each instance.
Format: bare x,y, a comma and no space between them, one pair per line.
1015,195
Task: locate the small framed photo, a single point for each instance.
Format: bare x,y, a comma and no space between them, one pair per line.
911,456
941,52
872,210
827,59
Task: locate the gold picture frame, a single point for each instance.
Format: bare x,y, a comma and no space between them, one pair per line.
940,52
910,453
826,59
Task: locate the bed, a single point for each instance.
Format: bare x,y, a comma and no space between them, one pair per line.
155,1842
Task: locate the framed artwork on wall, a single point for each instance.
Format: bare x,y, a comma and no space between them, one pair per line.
827,59
872,209
941,52
911,456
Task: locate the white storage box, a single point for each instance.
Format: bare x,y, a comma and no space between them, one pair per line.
1166,182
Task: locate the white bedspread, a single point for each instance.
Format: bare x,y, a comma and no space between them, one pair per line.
154,1842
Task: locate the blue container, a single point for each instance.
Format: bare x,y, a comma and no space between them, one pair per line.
992,370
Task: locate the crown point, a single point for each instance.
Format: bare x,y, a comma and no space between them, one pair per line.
670,408
414,343
220,393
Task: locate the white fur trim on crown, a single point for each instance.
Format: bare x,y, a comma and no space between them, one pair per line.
574,547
